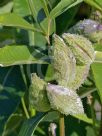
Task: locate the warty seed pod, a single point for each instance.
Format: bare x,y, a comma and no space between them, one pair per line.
38,95
64,62
81,48
81,75
89,28
64,100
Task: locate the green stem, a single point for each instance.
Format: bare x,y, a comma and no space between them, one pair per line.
45,7
49,4
22,99
24,108
62,126
23,75
93,114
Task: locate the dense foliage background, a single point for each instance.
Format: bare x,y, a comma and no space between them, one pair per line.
26,28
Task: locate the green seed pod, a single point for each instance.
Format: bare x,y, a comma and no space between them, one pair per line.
96,37
64,62
64,100
81,75
89,28
38,95
81,48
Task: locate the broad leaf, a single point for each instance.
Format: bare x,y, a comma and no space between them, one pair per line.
21,7
62,6
11,19
95,3
97,73
84,118
30,125
19,54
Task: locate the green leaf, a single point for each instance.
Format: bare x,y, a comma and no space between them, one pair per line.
98,56
19,54
12,88
11,19
51,116
84,118
12,124
40,15
95,3
49,73
97,73
90,131
30,125
62,6
67,19
21,7
6,8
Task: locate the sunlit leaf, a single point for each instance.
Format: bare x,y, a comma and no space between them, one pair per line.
62,6
11,19
19,54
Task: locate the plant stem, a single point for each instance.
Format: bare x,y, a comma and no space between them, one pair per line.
22,99
62,126
24,108
23,75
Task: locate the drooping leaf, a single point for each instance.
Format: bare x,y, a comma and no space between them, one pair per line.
30,125
13,20
19,54
62,6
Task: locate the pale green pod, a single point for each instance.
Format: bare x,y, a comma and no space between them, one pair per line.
64,62
64,100
89,28
38,95
81,48
81,75
96,37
